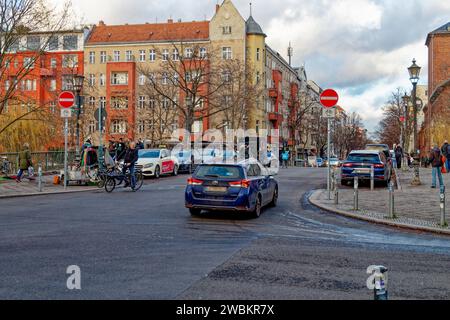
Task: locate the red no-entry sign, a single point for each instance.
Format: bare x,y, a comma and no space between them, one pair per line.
66,99
329,98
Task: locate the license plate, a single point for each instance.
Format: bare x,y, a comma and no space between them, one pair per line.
361,170
216,189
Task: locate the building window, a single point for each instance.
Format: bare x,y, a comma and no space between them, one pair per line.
188,53
102,102
53,43
258,54
70,61
151,103
53,63
118,127
165,103
92,126
91,79
67,82
91,57
165,54
116,56
141,79
187,76
152,55
70,43
175,55
52,107
129,55
165,78
53,85
142,55
150,125
141,102
203,53
226,76
7,85
198,126
141,126
226,30
102,79
14,46
92,101
119,78
119,102
28,63
102,56
33,43
226,53
258,77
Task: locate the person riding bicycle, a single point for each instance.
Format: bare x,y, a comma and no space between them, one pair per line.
130,159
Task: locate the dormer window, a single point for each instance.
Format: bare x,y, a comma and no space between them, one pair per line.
226,30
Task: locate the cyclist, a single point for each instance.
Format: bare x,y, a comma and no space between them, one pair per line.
130,159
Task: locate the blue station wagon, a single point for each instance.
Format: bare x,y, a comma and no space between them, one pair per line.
359,164
244,187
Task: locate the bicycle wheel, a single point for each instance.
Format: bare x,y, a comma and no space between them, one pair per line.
110,184
139,181
101,181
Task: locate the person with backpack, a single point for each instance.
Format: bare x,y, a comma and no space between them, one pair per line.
285,158
436,164
446,153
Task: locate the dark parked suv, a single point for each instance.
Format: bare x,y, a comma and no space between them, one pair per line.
359,164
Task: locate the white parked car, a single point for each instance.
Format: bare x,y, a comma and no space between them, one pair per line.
156,162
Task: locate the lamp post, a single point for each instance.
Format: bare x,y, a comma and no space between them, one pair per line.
78,81
403,138
414,72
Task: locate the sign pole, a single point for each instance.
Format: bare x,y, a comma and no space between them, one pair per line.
100,143
328,157
65,152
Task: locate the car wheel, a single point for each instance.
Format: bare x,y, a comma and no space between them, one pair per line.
157,172
274,198
175,170
257,211
343,183
195,212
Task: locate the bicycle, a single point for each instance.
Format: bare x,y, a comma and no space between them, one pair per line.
110,183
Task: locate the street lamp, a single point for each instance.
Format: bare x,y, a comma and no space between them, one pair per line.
78,81
414,72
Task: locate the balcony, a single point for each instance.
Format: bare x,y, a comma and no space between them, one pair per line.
44,72
273,93
274,116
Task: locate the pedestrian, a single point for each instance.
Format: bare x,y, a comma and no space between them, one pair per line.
86,145
140,144
130,158
399,156
24,162
121,149
436,164
285,158
446,153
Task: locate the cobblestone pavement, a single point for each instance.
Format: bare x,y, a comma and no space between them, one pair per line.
414,205
11,188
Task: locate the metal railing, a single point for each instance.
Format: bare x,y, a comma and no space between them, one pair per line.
48,160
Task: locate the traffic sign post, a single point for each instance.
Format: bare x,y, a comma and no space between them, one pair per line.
329,98
66,100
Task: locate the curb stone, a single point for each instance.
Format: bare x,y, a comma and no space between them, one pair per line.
34,194
313,199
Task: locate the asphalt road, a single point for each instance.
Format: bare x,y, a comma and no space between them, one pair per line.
145,245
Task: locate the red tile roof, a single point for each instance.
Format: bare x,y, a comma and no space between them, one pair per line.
154,32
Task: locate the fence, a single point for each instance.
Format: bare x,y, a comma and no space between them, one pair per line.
49,161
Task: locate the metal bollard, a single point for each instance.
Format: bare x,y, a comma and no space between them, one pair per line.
442,205
40,178
391,201
372,178
355,194
336,195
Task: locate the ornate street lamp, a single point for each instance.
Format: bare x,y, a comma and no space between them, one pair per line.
414,73
78,81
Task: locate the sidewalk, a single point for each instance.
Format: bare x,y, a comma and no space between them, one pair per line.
415,207
10,188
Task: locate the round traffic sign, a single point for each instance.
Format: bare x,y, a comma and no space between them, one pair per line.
66,99
329,98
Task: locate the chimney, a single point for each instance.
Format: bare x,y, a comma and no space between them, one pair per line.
217,7
101,23
170,21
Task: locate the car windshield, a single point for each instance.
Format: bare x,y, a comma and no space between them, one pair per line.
226,172
184,154
361,157
149,154
377,147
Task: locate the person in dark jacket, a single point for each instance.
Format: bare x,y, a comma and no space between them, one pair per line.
24,161
130,158
436,164
121,149
399,156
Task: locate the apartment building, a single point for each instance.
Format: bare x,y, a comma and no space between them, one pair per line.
38,67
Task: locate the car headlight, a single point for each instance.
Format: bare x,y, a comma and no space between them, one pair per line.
148,165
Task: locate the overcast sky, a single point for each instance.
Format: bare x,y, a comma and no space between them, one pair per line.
360,47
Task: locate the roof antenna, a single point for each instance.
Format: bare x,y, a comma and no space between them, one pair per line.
250,8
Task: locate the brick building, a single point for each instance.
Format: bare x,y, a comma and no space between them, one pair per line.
437,112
